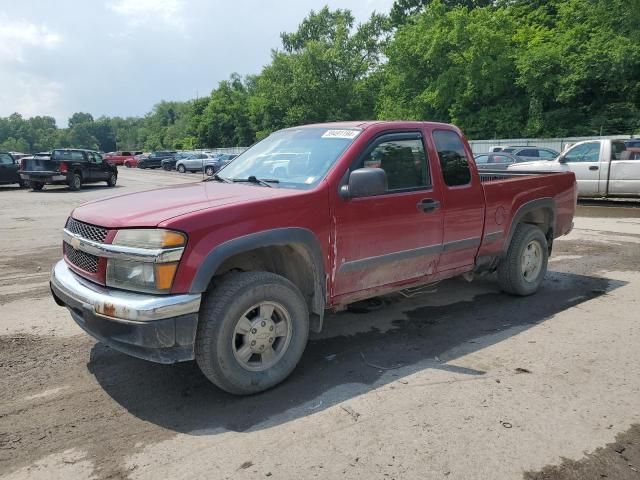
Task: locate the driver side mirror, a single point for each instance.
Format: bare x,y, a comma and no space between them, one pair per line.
365,182
561,159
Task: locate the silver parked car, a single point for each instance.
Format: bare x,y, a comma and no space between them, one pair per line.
191,162
495,161
529,153
214,164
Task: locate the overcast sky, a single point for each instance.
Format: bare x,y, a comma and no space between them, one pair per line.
120,57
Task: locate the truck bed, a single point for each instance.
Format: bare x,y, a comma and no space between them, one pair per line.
505,192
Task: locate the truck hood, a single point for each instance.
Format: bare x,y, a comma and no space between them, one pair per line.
543,165
152,207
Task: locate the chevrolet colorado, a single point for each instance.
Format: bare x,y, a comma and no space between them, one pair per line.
234,271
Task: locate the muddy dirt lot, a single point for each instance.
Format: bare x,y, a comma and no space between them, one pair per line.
460,382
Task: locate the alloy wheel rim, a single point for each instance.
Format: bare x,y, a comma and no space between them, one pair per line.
532,261
262,336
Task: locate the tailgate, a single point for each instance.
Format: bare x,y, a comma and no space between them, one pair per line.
40,165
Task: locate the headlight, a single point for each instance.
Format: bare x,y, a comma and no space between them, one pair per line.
149,238
159,252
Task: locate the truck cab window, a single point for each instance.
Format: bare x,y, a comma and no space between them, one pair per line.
453,158
5,159
404,162
587,152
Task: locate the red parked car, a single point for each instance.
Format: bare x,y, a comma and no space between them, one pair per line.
234,271
128,159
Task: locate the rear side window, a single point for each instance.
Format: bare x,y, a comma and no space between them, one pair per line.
68,155
547,154
453,158
5,159
482,159
528,152
404,162
501,159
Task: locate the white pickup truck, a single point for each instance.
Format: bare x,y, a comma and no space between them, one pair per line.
603,168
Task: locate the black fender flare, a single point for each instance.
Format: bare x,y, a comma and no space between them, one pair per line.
300,237
546,203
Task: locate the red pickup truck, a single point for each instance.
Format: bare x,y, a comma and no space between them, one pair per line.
234,271
128,159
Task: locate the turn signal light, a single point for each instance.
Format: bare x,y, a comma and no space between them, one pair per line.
164,275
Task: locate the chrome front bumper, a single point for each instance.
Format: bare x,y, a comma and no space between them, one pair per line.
153,327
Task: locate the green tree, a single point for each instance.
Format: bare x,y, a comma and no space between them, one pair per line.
80,117
455,65
322,74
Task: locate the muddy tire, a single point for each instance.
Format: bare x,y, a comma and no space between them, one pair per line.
75,182
252,331
522,270
37,186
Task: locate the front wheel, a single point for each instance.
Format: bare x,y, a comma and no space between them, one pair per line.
23,183
209,171
181,169
252,332
113,178
127,164
522,270
37,186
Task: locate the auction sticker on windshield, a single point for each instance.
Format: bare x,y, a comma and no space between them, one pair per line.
340,134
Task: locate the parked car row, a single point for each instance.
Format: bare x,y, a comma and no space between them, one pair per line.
501,157
194,162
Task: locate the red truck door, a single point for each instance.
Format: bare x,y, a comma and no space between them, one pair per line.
394,237
463,201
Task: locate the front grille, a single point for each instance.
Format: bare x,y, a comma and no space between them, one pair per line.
90,232
82,260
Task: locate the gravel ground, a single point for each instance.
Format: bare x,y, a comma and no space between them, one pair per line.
458,382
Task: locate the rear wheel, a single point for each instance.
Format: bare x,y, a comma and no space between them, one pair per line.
209,171
127,164
37,186
181,168
23,183
113,178
522,270
75,182
252,332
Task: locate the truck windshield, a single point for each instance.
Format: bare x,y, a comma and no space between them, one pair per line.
293,158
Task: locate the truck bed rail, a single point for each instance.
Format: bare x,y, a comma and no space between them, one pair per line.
492,175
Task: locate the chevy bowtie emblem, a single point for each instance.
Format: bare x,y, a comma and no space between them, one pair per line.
75,243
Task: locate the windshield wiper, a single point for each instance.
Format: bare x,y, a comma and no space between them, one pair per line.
265,182
217,178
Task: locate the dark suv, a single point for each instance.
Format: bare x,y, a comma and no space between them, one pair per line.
154,160
70,166
9,170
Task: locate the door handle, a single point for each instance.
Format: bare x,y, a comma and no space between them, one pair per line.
428,205
593,167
